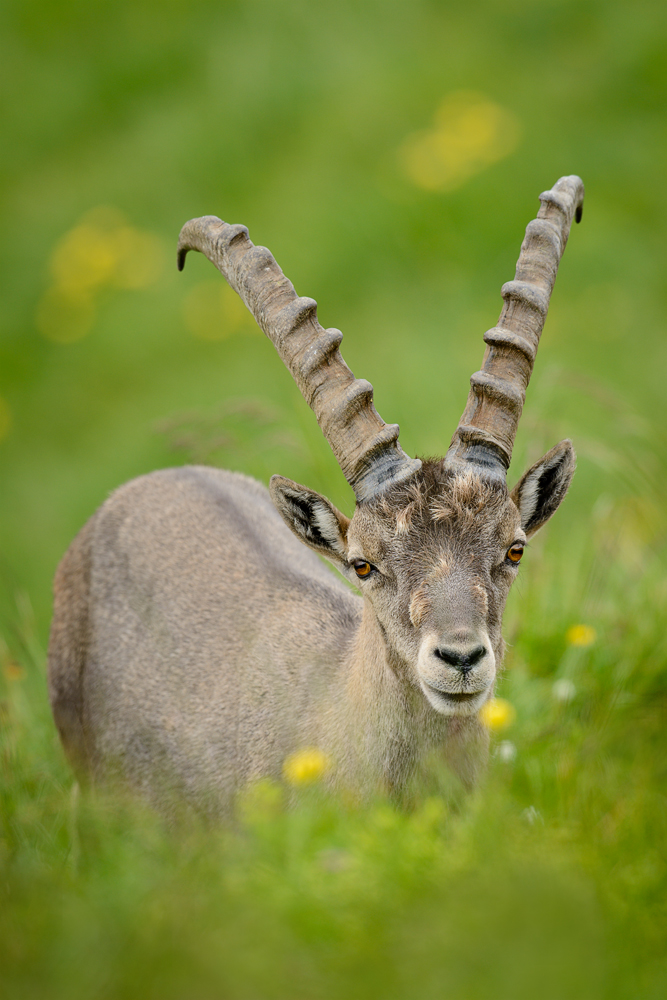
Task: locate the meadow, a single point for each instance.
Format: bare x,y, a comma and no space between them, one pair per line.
390,155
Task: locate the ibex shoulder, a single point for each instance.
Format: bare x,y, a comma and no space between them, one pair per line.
201,515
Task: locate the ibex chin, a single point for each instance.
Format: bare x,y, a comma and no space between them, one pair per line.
198,640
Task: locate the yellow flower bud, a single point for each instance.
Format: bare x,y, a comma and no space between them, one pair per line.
497,714
306,766
14,671
581,635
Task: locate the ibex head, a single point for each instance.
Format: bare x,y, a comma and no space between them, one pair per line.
434,546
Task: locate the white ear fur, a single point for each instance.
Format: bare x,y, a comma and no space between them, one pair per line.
540,491
311,517
528,498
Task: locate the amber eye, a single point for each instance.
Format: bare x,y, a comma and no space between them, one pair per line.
515,552
362,568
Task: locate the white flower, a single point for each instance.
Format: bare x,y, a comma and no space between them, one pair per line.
563,690
506,751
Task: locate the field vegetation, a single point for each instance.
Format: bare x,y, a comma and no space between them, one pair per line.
390,155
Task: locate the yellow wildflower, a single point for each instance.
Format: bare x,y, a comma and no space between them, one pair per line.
497,714
469,133
306,766
14,671
101,251
581,635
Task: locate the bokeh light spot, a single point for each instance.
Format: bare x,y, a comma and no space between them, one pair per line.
470,132
102,251
581,635
139,258
212,311
65,315
506,752
564,690
13,671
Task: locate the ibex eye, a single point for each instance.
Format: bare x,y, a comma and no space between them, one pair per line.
362,568
515,552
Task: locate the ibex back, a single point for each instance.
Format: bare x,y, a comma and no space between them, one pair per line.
197,642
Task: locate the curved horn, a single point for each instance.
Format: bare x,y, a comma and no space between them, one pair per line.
366,448
486,431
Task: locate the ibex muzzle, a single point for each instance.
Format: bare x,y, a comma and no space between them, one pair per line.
196,643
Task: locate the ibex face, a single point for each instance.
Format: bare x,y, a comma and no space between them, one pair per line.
435,558
457,581
195,644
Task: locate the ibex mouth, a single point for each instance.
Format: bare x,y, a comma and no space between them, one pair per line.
460,703
463,697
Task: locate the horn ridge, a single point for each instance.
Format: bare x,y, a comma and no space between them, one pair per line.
487,429
366,448
499,336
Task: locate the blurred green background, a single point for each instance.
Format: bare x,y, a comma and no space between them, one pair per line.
390,154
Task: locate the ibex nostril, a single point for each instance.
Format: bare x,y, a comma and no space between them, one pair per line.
463,661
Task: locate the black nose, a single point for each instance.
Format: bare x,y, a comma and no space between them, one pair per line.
462,661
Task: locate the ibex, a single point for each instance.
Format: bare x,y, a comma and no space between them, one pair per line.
198,640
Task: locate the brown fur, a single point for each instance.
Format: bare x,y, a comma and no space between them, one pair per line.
68,646
196,643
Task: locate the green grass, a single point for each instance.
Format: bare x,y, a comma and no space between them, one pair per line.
550,880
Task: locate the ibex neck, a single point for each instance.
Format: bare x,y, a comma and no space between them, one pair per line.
373,727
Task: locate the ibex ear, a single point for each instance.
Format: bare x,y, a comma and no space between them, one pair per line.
311,517
539,492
